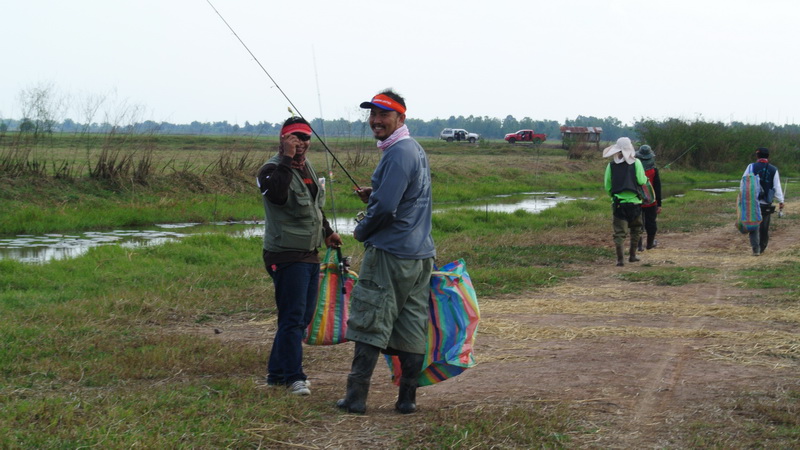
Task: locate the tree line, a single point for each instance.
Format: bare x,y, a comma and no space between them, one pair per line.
487,127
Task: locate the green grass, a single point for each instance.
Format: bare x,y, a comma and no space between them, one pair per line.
669,276
92,305
210,413
513,426
780,276
187,183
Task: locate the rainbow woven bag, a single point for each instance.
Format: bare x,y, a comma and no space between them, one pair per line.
336,281
648,194
452,326
748,210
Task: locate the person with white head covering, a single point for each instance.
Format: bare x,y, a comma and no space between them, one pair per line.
623,178
650,211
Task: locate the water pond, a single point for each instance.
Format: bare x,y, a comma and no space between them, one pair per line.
41,249
48,247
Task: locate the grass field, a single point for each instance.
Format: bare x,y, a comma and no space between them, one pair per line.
113,349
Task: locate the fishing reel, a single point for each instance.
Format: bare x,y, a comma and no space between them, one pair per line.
344,268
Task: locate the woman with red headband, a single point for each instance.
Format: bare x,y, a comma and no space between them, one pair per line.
294,229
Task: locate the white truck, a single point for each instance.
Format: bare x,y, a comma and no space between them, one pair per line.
458,134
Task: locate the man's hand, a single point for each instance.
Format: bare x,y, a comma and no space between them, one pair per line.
658,210
334,240
289,143
364,194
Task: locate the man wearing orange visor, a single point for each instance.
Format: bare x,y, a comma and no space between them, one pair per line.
389,305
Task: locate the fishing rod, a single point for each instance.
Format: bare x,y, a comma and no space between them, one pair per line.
284,94
785,186
679,156
327,160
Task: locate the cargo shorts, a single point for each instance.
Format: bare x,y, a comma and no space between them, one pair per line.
389,304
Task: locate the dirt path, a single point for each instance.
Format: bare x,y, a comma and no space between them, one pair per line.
637,363
635,359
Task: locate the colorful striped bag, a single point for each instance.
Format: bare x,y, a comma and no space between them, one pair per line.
330,318
748,216
452,326
647,193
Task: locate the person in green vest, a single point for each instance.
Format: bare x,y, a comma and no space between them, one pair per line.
623,178
294,229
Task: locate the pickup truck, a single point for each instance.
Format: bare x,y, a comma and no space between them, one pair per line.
526,136
458,134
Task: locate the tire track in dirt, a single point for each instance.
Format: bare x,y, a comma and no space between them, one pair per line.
650,404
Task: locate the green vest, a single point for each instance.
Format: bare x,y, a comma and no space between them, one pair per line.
297,224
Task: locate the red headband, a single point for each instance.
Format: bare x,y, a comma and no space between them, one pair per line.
296,128
385,102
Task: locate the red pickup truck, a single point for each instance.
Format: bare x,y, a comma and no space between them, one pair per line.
526,136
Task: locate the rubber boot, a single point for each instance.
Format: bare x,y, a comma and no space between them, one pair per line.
632,256
620,256
640,248
365,357
355,400
411,365
651,242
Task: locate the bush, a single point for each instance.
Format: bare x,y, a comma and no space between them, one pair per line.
715,146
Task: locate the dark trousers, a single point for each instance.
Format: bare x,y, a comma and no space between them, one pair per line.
296,286
759,239
649,215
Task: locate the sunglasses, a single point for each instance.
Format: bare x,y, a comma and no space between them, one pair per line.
302,137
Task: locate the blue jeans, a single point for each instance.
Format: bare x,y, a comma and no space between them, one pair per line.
296,286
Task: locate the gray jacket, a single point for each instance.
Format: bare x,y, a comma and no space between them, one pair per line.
398,216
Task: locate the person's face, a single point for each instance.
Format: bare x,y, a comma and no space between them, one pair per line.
384,123
297,141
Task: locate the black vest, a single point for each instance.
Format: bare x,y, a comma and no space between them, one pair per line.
766,177
623,178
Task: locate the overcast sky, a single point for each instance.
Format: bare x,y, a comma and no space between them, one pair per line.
176,60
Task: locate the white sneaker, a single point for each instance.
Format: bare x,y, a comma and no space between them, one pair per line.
299,387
